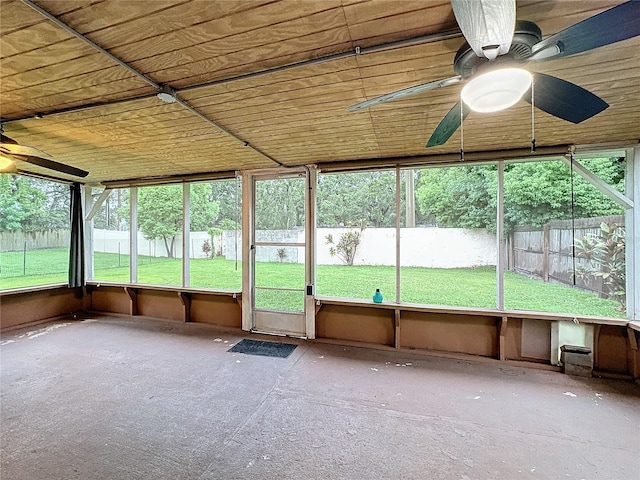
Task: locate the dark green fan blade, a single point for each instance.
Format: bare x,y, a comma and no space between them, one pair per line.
564,99
448,125
614,25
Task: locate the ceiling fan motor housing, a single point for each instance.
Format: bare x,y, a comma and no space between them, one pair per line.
466,63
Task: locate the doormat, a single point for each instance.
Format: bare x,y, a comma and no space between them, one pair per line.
265,349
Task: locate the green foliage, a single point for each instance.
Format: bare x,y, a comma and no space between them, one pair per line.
282,254
31,204
279,204
537,192
606,254
461,197
160,211
348,197
347,245
534,193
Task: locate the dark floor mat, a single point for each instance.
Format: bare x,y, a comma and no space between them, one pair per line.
265,349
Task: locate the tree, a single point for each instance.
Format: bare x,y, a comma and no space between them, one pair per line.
279,204
534,193
462,197
160,211
31,204
367,197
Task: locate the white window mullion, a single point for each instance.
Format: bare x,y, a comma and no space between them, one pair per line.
398,231
500,242
133,235
632,235
186,234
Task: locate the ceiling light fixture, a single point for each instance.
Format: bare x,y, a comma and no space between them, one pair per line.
496,90
167,94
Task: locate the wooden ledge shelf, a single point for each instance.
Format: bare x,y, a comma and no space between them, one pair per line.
165,288
173,303
469,311
33,289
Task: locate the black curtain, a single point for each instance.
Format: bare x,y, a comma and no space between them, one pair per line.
76,250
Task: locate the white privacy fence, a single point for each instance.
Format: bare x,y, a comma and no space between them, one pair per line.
420,247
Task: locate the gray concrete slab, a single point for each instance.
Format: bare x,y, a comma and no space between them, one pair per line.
132,398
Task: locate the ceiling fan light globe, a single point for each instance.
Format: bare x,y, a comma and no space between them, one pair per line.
496,90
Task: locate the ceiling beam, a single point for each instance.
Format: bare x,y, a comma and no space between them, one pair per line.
515,154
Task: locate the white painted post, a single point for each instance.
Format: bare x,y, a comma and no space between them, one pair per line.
247,252
500,257
632,234
409,173
133,235
88,234
186,234
310,252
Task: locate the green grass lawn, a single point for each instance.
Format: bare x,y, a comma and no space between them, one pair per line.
464,287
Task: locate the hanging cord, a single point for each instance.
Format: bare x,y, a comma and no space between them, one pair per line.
236,220
533,123
573,224
461,131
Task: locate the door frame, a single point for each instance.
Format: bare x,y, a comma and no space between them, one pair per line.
248,232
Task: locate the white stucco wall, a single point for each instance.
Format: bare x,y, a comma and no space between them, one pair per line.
419,247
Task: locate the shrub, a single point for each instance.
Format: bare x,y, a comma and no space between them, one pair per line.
606,254
282,254
347,245
206,249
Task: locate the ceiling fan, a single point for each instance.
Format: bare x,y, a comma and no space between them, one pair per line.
497,46
10,151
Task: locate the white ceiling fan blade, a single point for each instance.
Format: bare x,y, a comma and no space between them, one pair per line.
405,92
487,25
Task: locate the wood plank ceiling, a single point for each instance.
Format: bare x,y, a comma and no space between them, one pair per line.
291,116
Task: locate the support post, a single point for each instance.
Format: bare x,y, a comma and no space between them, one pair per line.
310,252
133,235
247,251
396,336
186,235
88,235
500,243
133,300
502,331
185,300
632,234
398,256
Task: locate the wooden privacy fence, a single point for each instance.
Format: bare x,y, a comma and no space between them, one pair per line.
547,252
18,241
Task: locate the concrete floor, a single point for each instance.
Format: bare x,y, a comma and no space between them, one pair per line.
123,398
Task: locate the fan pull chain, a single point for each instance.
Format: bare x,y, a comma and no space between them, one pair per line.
533,122
461,131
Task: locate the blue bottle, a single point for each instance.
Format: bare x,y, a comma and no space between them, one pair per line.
377,297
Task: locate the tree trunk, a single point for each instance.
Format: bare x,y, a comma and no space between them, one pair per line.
168,247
